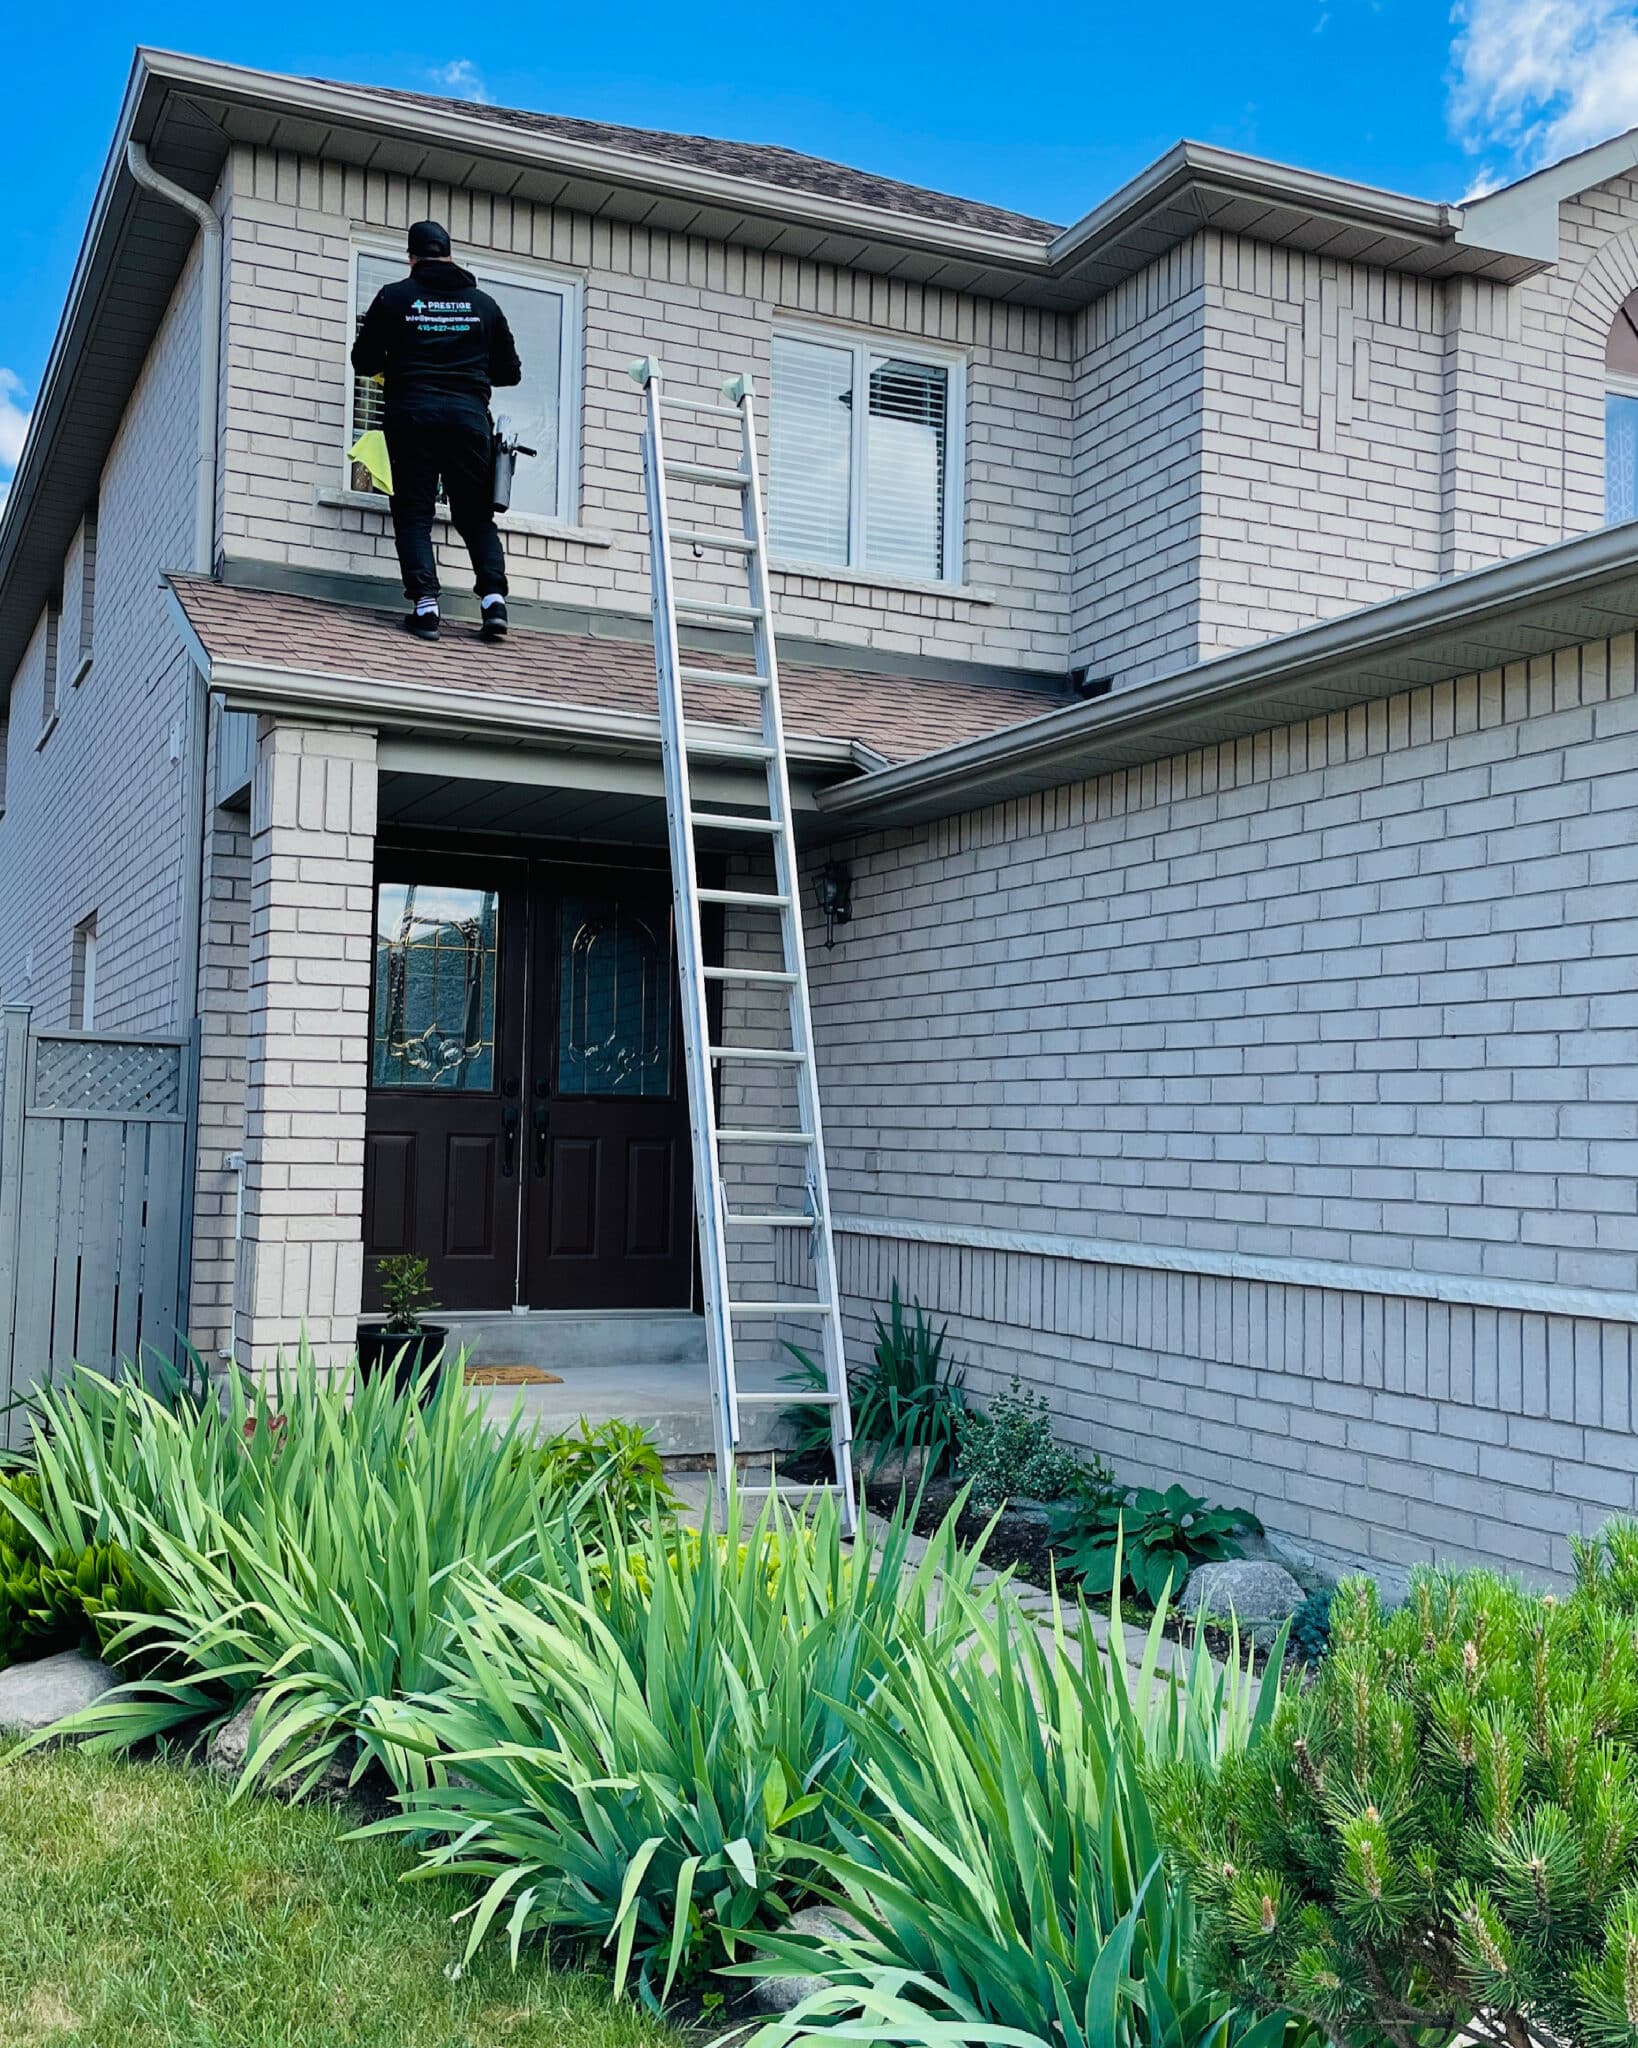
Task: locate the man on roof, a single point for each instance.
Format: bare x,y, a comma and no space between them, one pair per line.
440,345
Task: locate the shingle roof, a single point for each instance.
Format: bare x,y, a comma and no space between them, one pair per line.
763,161
900,717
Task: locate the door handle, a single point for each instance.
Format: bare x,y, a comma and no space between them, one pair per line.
543,1125
511,1117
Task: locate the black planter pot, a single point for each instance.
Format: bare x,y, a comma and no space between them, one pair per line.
392,1351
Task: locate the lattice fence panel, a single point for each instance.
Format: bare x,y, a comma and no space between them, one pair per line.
107,1077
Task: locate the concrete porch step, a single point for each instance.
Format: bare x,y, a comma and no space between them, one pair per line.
561,1340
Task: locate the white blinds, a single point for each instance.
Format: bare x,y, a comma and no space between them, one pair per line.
904,468
810,451
863,489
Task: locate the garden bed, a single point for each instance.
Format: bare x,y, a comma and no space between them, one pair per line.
142,1909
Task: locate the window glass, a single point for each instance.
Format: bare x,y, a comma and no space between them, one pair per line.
1620,456
810,450
904,453
860,488
534,408
614,1004
434,1013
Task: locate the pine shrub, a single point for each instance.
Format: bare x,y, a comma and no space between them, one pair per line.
1440,1832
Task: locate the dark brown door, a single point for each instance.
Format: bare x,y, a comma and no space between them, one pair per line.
444,1114
609,1217
526,1122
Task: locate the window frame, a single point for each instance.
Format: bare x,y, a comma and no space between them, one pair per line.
530,276
866,343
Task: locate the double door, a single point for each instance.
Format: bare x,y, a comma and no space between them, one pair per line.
526,1123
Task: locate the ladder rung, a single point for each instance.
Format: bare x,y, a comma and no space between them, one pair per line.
793,1488
751,896
735,543
731,750
707,473
700,408
768,977
770,1055
723,821
790,1400
743,678
768,1219
748,1134
780,1308
704,608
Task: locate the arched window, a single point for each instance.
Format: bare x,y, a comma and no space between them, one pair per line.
1621,415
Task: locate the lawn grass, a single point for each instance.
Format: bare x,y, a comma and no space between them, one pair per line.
139,1909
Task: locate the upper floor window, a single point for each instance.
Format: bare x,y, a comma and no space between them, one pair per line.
864,456
543,313
1621,415
79,607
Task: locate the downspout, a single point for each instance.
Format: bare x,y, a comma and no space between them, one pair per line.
191,939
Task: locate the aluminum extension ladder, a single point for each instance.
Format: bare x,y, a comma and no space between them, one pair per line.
770,827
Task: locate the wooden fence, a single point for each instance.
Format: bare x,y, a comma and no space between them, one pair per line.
95,1199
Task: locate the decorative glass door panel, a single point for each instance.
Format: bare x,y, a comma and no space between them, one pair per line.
616,979
435,956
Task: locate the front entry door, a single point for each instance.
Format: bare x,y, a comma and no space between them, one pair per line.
527,1124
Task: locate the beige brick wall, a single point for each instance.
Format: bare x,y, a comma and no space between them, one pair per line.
1356,992
96,811
708,311
312,850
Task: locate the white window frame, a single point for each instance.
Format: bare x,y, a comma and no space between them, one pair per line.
866,343
571,377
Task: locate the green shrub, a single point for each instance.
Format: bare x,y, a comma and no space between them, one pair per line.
1003,1861
1441,1832
55,1600
1008,1452
1309,1633
306,1548
1154,1540
908,1400
618,1459
643,1748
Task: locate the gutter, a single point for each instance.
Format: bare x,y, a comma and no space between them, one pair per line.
1155,719
191,948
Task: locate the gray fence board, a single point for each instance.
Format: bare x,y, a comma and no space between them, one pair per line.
95,1141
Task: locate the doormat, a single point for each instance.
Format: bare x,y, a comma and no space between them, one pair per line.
512,1376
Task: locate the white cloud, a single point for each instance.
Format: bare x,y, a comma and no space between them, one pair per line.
1536,80
463,78
13,420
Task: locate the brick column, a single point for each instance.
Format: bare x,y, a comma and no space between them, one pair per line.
312,849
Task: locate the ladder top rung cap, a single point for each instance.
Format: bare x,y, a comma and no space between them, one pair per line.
644,371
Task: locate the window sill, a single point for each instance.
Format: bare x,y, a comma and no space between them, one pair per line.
867,579
508,522
80,673
50,728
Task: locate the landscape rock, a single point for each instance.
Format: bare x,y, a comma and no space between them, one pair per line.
1255,1592
229,1746
784,1994
35,1696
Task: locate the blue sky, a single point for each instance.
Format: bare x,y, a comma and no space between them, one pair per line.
1044,108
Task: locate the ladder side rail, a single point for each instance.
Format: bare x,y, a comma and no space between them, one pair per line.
788,885
690,963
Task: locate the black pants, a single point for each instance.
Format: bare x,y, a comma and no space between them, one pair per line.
452,441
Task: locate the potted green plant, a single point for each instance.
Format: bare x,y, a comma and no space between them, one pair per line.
402,1342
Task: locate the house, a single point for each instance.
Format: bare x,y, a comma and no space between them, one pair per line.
1208,642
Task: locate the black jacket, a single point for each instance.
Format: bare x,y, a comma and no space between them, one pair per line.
436,335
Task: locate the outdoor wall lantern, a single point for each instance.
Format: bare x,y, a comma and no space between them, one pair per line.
835,897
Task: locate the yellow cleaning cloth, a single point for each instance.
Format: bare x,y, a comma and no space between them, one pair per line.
371,450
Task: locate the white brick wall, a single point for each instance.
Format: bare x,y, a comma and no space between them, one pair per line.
707,310
95,818
1355,991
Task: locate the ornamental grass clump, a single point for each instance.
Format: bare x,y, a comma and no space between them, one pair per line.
1001,1857
1440,1833
304,1546
642,1748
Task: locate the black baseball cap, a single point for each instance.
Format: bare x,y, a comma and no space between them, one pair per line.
428,238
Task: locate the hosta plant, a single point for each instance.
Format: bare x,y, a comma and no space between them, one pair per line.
304,1547
1001,1858
1155,1539
1440,1834
642,1749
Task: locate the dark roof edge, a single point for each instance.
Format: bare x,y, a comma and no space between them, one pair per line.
589,622
1236,694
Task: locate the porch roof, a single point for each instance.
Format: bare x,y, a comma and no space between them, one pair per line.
259,645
